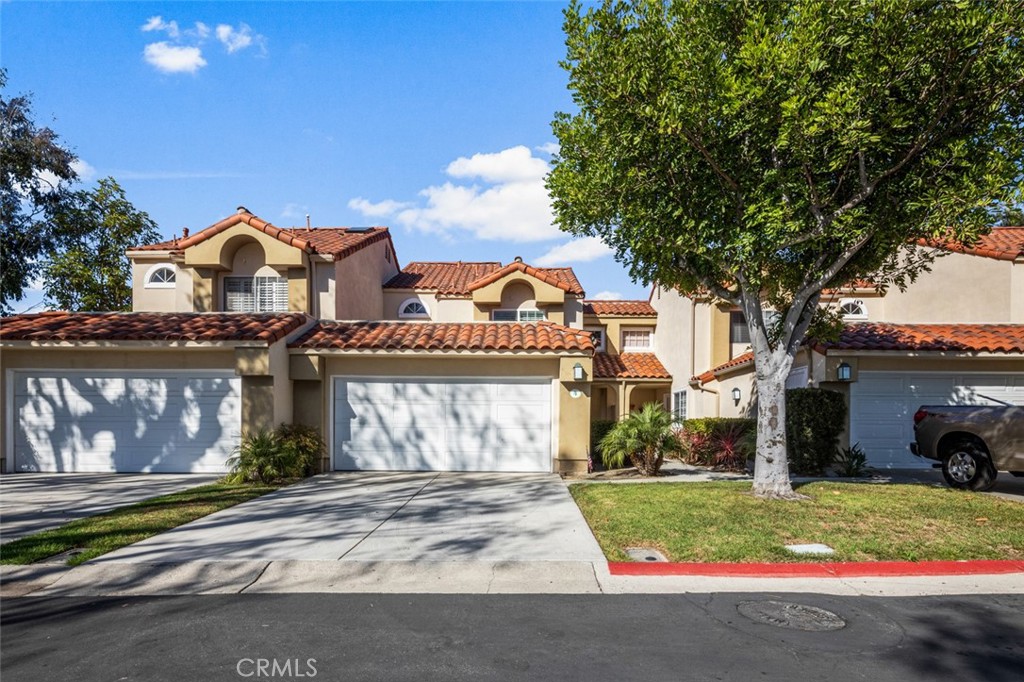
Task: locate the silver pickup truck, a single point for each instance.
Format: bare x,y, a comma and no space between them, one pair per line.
971,441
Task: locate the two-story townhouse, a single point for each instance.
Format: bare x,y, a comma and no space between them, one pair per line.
956,335
245,325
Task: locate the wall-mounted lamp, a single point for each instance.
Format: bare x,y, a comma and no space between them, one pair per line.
577,372
843,372
736,395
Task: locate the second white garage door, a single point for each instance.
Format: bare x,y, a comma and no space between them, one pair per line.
882,406
442,424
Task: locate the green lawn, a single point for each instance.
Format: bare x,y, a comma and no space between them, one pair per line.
723,522
111,530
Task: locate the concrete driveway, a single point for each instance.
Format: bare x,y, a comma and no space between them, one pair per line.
30,503
388,517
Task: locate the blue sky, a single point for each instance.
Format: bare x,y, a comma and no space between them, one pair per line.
431,118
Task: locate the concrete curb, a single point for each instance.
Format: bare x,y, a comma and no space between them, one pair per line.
866,569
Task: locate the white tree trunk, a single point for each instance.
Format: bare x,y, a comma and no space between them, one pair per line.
771,464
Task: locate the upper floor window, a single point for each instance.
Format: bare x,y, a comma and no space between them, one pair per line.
256,294
413,307
634,340
161,277
853,309
738,331
524,315
597,335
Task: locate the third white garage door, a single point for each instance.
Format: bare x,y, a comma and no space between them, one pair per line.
442,424
882,406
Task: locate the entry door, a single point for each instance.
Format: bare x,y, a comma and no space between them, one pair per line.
413,424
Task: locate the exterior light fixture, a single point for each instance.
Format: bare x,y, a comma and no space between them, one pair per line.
736,394
843,372
577,372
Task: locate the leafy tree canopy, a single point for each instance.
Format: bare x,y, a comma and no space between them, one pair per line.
35,172
92,272
74,239
763,150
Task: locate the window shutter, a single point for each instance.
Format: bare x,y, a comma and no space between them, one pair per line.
271,294
238,296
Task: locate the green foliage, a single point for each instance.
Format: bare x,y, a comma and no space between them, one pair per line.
851,462
290,451
763,151
35,170
721,442
599,428
643,439
815,418
91,271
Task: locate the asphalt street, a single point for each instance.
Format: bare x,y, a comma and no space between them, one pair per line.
514,637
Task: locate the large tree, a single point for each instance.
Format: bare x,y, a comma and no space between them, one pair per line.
35,174
91,271
760,151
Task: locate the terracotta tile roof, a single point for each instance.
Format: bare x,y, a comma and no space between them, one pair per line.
461,336
976,338
624,308
62,326
712,374
629,366
1002,243
461,279
338,242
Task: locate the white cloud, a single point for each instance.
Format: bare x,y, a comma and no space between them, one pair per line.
174,58
85,171
376,210
576,251
182,53
549,148
513,206
235,39
293,211
515,164
607,296
157,23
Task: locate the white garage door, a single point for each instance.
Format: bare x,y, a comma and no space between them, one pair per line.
442,424
125,421
882,406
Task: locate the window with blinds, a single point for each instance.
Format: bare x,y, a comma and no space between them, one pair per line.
508,315
256,294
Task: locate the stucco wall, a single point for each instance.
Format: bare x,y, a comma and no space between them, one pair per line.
959,289
673,344
359,294
158,300
394,298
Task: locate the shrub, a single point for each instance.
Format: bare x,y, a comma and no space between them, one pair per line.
815,418
851,461
290,451
643,438
721,442
599,428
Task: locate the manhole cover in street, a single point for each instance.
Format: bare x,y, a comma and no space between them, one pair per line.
784,614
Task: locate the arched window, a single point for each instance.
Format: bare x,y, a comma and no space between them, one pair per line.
853,309
160,277
413,307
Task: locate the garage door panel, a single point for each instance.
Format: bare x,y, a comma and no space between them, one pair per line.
135,421
882,406
454,424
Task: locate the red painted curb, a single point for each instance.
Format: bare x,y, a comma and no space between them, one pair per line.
863,569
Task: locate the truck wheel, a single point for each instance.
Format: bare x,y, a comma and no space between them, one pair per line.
966,465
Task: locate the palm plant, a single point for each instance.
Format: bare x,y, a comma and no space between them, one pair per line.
643,439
